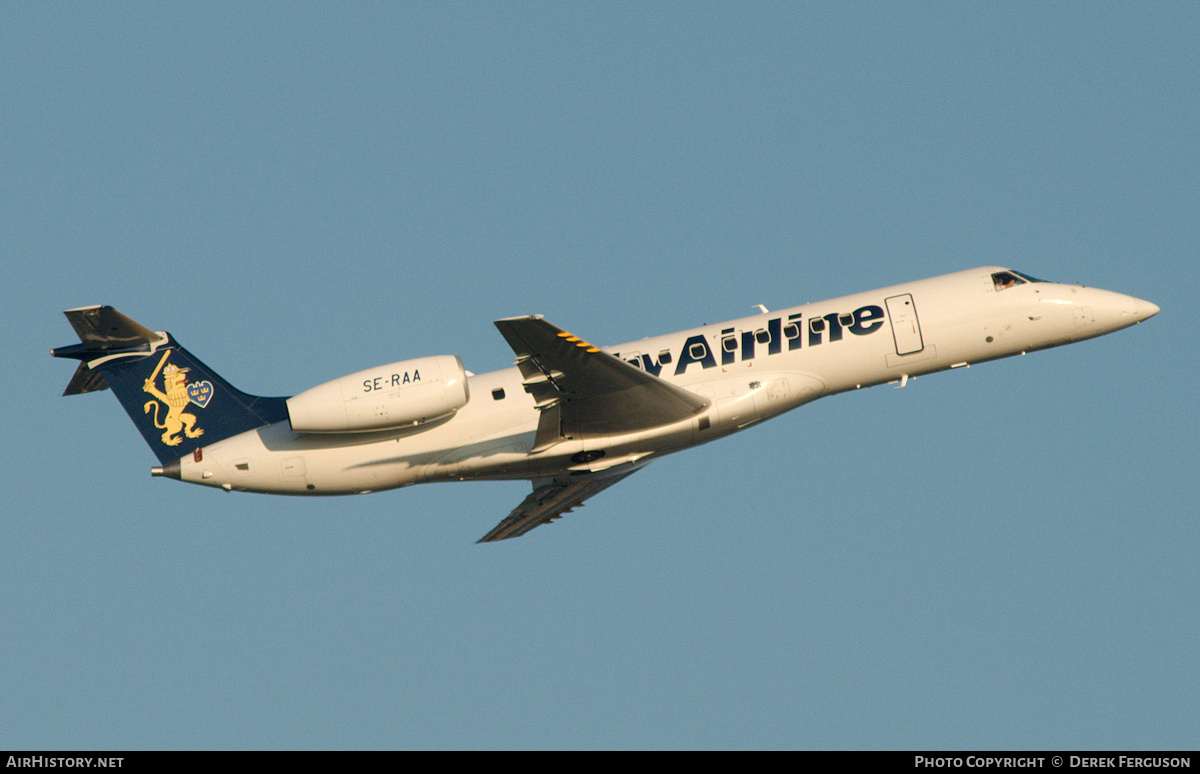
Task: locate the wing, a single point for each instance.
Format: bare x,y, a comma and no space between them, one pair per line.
550,499
583,392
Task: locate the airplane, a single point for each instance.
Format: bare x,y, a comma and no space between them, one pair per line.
571,417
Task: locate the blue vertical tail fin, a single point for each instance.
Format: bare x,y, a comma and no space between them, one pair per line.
178,403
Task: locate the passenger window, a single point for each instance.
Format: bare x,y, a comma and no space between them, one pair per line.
817,324
664,357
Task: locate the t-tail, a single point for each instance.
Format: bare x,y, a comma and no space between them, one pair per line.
178,403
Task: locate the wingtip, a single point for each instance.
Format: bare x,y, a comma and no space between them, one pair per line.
521,317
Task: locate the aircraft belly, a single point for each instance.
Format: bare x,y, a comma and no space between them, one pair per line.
500,458
275,459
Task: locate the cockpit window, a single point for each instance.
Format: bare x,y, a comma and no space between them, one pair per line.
1007,279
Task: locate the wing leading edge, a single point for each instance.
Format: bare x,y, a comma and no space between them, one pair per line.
583,392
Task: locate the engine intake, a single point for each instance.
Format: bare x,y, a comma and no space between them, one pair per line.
403,394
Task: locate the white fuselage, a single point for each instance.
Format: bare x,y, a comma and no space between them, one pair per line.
750,369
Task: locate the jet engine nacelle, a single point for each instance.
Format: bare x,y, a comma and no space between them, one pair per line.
402,394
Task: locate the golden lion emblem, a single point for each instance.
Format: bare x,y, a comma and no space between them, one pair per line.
174,396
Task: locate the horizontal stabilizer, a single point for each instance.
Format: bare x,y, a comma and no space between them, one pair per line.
85,380
102,332
103,328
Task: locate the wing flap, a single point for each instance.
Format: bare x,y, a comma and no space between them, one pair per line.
549,500
584,392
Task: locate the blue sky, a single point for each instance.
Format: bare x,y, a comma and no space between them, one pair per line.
999,557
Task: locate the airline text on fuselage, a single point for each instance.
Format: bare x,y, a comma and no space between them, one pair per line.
769,338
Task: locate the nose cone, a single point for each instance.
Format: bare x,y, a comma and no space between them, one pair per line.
1095,312
1120,311
1144,310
